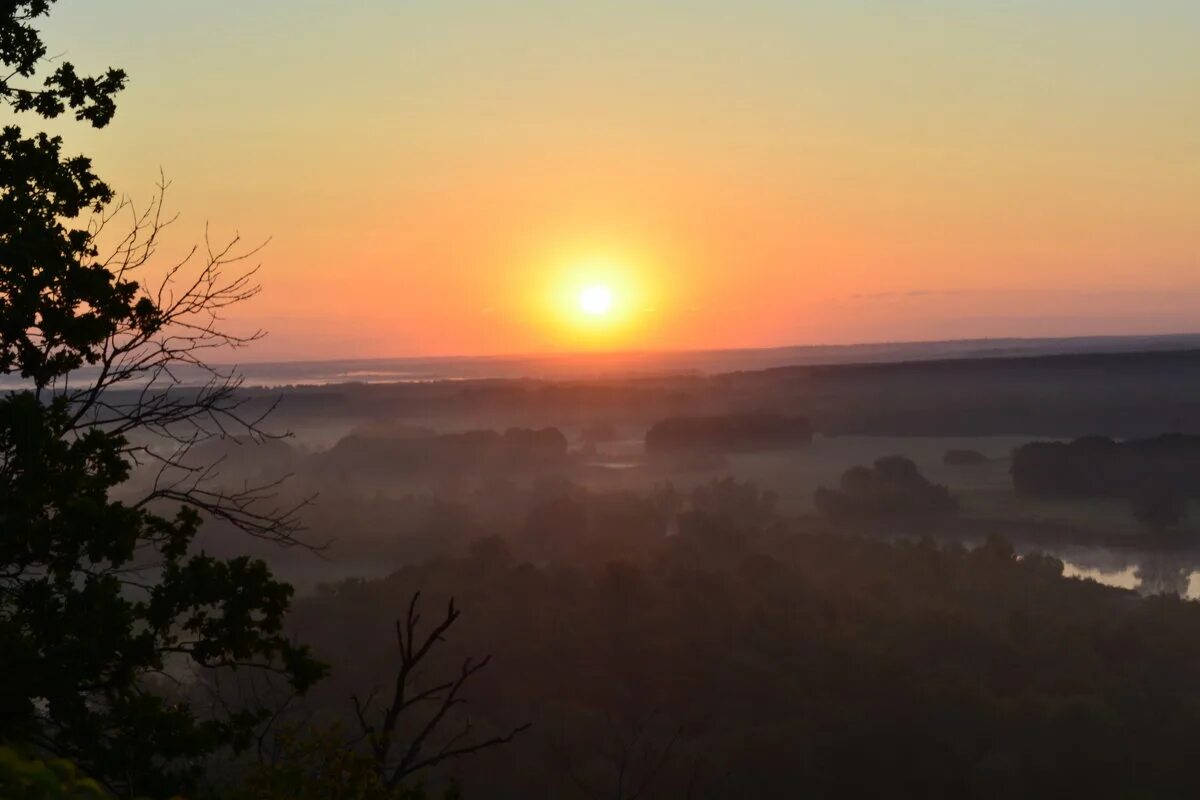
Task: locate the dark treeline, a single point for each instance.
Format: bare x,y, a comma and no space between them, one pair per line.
1098,466
1120,394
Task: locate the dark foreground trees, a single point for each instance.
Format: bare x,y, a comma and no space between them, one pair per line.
426,708
105,612
802,665
412,725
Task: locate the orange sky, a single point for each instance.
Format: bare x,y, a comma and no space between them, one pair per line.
440,178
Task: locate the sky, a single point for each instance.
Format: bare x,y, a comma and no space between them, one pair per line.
450,177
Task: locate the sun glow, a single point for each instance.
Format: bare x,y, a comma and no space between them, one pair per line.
596,300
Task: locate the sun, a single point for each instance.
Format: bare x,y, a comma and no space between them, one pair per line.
595,300
592,301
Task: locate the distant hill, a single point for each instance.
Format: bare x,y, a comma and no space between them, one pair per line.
575,366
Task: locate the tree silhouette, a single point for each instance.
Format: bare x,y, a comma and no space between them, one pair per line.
397,760
99,597
893,486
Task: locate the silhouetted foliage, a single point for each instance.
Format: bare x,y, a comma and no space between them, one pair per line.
310,762
1097,466
102,602
892,487
27,777
729,432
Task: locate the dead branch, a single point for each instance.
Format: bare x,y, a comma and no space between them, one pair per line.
155,379
421,751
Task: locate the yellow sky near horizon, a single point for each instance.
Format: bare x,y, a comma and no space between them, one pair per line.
435,176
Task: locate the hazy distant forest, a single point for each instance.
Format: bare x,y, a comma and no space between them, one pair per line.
957,578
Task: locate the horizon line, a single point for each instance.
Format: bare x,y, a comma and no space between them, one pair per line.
709,351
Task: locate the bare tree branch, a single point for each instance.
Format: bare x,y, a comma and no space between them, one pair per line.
421,752
143,381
